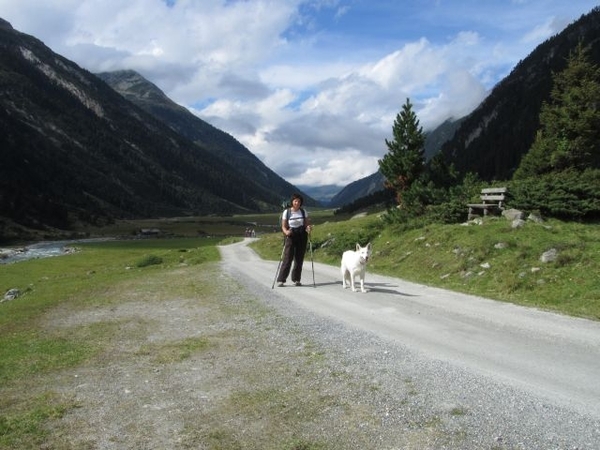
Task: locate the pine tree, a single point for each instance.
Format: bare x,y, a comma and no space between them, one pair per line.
569,135
405,160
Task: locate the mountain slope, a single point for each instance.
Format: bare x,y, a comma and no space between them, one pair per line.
357,189
74,149
149,97
492,139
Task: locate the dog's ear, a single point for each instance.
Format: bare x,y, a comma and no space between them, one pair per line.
369,246
357,246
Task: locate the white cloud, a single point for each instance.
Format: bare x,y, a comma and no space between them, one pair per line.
342,167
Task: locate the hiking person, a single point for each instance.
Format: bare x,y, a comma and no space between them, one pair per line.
295,225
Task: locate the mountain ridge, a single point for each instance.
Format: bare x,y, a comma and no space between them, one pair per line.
140,91
493,138
75,150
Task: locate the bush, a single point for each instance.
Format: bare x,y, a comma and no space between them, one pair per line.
149,260
563,195
453,211
424,203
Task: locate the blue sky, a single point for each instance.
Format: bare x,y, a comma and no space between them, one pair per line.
312,87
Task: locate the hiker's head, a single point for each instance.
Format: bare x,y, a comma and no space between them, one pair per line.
297,197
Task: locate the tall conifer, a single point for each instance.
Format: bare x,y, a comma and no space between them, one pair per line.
405,160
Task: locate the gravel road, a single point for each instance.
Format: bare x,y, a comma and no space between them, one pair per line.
504,376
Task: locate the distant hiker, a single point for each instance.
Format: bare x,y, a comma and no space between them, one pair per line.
295,225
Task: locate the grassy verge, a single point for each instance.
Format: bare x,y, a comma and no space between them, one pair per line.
29,352
492,260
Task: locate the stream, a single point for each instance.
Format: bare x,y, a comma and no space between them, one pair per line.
44,249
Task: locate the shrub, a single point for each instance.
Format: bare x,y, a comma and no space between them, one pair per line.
564,195
149,260
426,203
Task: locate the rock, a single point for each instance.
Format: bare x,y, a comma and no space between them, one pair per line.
549,256
11,294
517,223
6,253
535,217
513,214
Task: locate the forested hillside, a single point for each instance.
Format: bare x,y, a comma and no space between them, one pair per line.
73,150
492,139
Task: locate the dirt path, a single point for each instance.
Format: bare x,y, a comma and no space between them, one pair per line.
545,354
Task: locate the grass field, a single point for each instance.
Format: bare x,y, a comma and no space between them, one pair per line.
75,280
29,352
491,259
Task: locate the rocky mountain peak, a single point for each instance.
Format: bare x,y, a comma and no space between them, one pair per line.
5,25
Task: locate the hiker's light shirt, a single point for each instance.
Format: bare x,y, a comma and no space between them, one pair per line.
296,219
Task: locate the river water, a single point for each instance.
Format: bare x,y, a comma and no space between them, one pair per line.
44,249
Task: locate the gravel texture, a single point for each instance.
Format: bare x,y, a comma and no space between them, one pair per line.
462,410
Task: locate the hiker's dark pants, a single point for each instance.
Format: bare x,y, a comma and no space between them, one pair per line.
294,250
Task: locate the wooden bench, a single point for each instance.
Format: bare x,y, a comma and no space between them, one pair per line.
492,199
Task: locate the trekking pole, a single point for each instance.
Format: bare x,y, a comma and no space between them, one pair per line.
278,265
311,259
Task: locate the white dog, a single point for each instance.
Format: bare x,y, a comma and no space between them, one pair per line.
354,263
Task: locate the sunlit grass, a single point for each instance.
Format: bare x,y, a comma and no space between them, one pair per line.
82,278
98,274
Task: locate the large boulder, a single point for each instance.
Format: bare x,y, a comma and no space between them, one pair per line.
513,214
